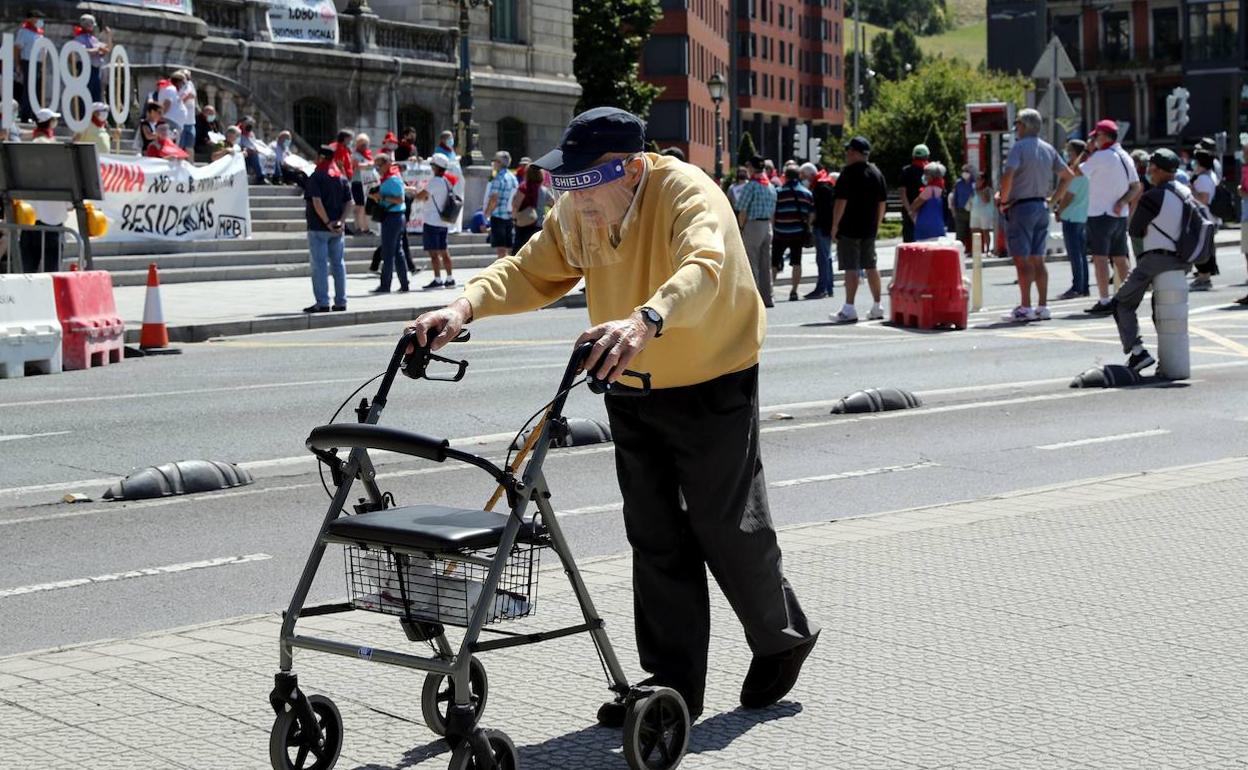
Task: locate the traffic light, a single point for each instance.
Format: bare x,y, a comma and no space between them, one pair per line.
816,149
1176,110
801,139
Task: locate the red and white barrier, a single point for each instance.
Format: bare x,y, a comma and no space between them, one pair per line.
93,334
30,331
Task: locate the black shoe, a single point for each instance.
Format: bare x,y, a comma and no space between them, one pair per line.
436,283
1100,308
1069,294
316,309
1242,300
772,676
379,290
613,713
1138,362
339,308
817,295
404,289
449,283
793,297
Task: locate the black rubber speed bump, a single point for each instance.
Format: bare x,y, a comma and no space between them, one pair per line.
181,478
876,400
1111,376
569,432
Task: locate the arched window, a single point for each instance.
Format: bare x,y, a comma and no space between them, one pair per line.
513,136
417,117
315,120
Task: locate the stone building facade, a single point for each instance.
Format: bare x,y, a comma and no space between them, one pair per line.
395,65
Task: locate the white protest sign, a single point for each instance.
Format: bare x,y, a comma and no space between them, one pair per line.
303,21
53,77
169,200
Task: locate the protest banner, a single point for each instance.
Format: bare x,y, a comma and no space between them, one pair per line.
303,21
171,200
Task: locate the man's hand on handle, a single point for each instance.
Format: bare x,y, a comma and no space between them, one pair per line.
440,326
617,344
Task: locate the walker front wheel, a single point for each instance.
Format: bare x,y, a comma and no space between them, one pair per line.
296,746
501,750
439,693
656,731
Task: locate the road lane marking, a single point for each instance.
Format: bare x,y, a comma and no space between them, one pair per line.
22,436
1104,439
619,506
168,569
1218,339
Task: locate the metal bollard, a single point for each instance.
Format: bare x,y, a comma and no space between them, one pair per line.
1174,355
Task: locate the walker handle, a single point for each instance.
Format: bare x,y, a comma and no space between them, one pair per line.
416,364
602,387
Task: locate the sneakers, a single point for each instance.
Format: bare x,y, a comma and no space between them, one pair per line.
1043,314
846,315
876,313
1201,284
1020,314
449,282
436,283
1101,308
1138,362
772,676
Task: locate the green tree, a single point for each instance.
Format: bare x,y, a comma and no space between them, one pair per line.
608,37
883,58
928,17
746,148
906,46
930,107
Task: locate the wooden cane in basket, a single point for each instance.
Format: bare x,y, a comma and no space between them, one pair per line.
524,451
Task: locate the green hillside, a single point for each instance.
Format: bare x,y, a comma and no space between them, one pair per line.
969,41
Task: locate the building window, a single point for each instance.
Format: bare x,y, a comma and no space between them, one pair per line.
513,136
1118,104
1117,41
1066,29
1167,38
315,120
505,21
1213,30
413,116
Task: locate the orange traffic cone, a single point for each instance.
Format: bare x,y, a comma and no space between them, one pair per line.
155,334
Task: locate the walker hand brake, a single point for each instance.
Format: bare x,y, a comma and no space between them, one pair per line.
617,388
416,364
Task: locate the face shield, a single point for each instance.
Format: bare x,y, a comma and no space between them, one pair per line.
593,205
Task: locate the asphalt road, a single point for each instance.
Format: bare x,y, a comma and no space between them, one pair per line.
998,416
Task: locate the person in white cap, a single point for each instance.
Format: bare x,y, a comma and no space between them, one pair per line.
96,131
434,231
40,246
84,33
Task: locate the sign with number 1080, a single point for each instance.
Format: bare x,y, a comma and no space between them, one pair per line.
63,81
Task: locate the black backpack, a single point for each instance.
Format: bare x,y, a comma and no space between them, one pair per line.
1197,227
1221,205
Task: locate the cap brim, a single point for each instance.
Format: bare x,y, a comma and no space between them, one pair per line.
559,162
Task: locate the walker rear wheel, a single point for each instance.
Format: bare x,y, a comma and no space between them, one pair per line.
656,731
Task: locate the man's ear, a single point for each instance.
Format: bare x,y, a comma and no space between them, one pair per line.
634,168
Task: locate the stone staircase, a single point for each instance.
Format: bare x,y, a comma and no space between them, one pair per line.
278,248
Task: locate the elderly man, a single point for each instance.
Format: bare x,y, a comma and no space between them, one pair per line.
1113,187
755,205
670,292
1024,202
498,204
1157,218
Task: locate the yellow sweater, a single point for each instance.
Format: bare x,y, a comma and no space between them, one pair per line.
681,254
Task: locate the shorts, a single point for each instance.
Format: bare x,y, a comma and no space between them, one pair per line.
781,243
853,254
500,232
357,193
433,238
1107,236
1027,229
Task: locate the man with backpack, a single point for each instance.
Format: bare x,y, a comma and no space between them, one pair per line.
441,207
1177,232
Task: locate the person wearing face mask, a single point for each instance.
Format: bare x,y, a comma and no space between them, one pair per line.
84,34
671,293
1072,211
30,32
1158,218
960,206
96,131
446,146
206,124
281,151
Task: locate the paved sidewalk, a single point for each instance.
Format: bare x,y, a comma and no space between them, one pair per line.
1101,624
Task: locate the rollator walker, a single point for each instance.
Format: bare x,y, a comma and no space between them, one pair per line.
434,566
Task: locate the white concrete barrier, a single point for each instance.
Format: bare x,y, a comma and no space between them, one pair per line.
1174,355
30,332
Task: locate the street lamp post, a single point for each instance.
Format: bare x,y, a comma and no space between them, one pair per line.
468,131
716,85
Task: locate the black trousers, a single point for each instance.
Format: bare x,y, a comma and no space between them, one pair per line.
695,497
41,251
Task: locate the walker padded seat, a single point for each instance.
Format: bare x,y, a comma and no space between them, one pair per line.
429,527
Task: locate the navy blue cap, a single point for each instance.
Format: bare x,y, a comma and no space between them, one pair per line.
591,135
859,143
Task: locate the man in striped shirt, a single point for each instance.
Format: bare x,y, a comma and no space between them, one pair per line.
795,206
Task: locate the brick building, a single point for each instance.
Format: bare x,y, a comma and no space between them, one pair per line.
789,68
1130,54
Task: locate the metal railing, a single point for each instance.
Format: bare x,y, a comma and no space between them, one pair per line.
11,256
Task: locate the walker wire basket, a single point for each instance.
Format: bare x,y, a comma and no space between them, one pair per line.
441,587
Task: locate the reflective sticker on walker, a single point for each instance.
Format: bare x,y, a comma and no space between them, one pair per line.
365,653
